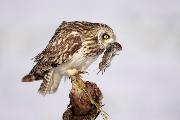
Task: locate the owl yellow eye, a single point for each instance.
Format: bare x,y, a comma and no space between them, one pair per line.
106,36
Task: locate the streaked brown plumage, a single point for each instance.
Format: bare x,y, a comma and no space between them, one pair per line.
75,45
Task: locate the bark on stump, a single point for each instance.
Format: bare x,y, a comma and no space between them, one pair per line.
85,97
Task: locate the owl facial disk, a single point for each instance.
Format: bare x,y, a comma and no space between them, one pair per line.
106,39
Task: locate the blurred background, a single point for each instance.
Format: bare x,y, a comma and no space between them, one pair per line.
142,82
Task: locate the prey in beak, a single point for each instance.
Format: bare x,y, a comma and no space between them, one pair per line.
111,50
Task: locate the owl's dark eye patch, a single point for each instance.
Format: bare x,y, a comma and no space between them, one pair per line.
105,36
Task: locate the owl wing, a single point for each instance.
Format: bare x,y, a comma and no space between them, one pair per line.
60,51
57,52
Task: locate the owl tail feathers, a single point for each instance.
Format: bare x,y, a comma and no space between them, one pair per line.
50,86
28,78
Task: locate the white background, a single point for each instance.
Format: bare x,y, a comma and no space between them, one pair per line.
142,82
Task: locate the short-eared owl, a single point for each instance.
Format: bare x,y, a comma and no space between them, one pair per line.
75,45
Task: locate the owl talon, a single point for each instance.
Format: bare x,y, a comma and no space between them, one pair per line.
83,72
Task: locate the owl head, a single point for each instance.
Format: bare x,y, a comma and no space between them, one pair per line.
106,36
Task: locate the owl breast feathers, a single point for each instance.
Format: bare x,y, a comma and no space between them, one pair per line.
75,45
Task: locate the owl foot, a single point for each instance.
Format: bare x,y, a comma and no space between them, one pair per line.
72,72
83,72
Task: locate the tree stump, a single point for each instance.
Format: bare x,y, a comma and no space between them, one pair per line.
85,100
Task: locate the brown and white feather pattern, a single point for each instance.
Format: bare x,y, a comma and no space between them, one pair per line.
74,45
63,51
